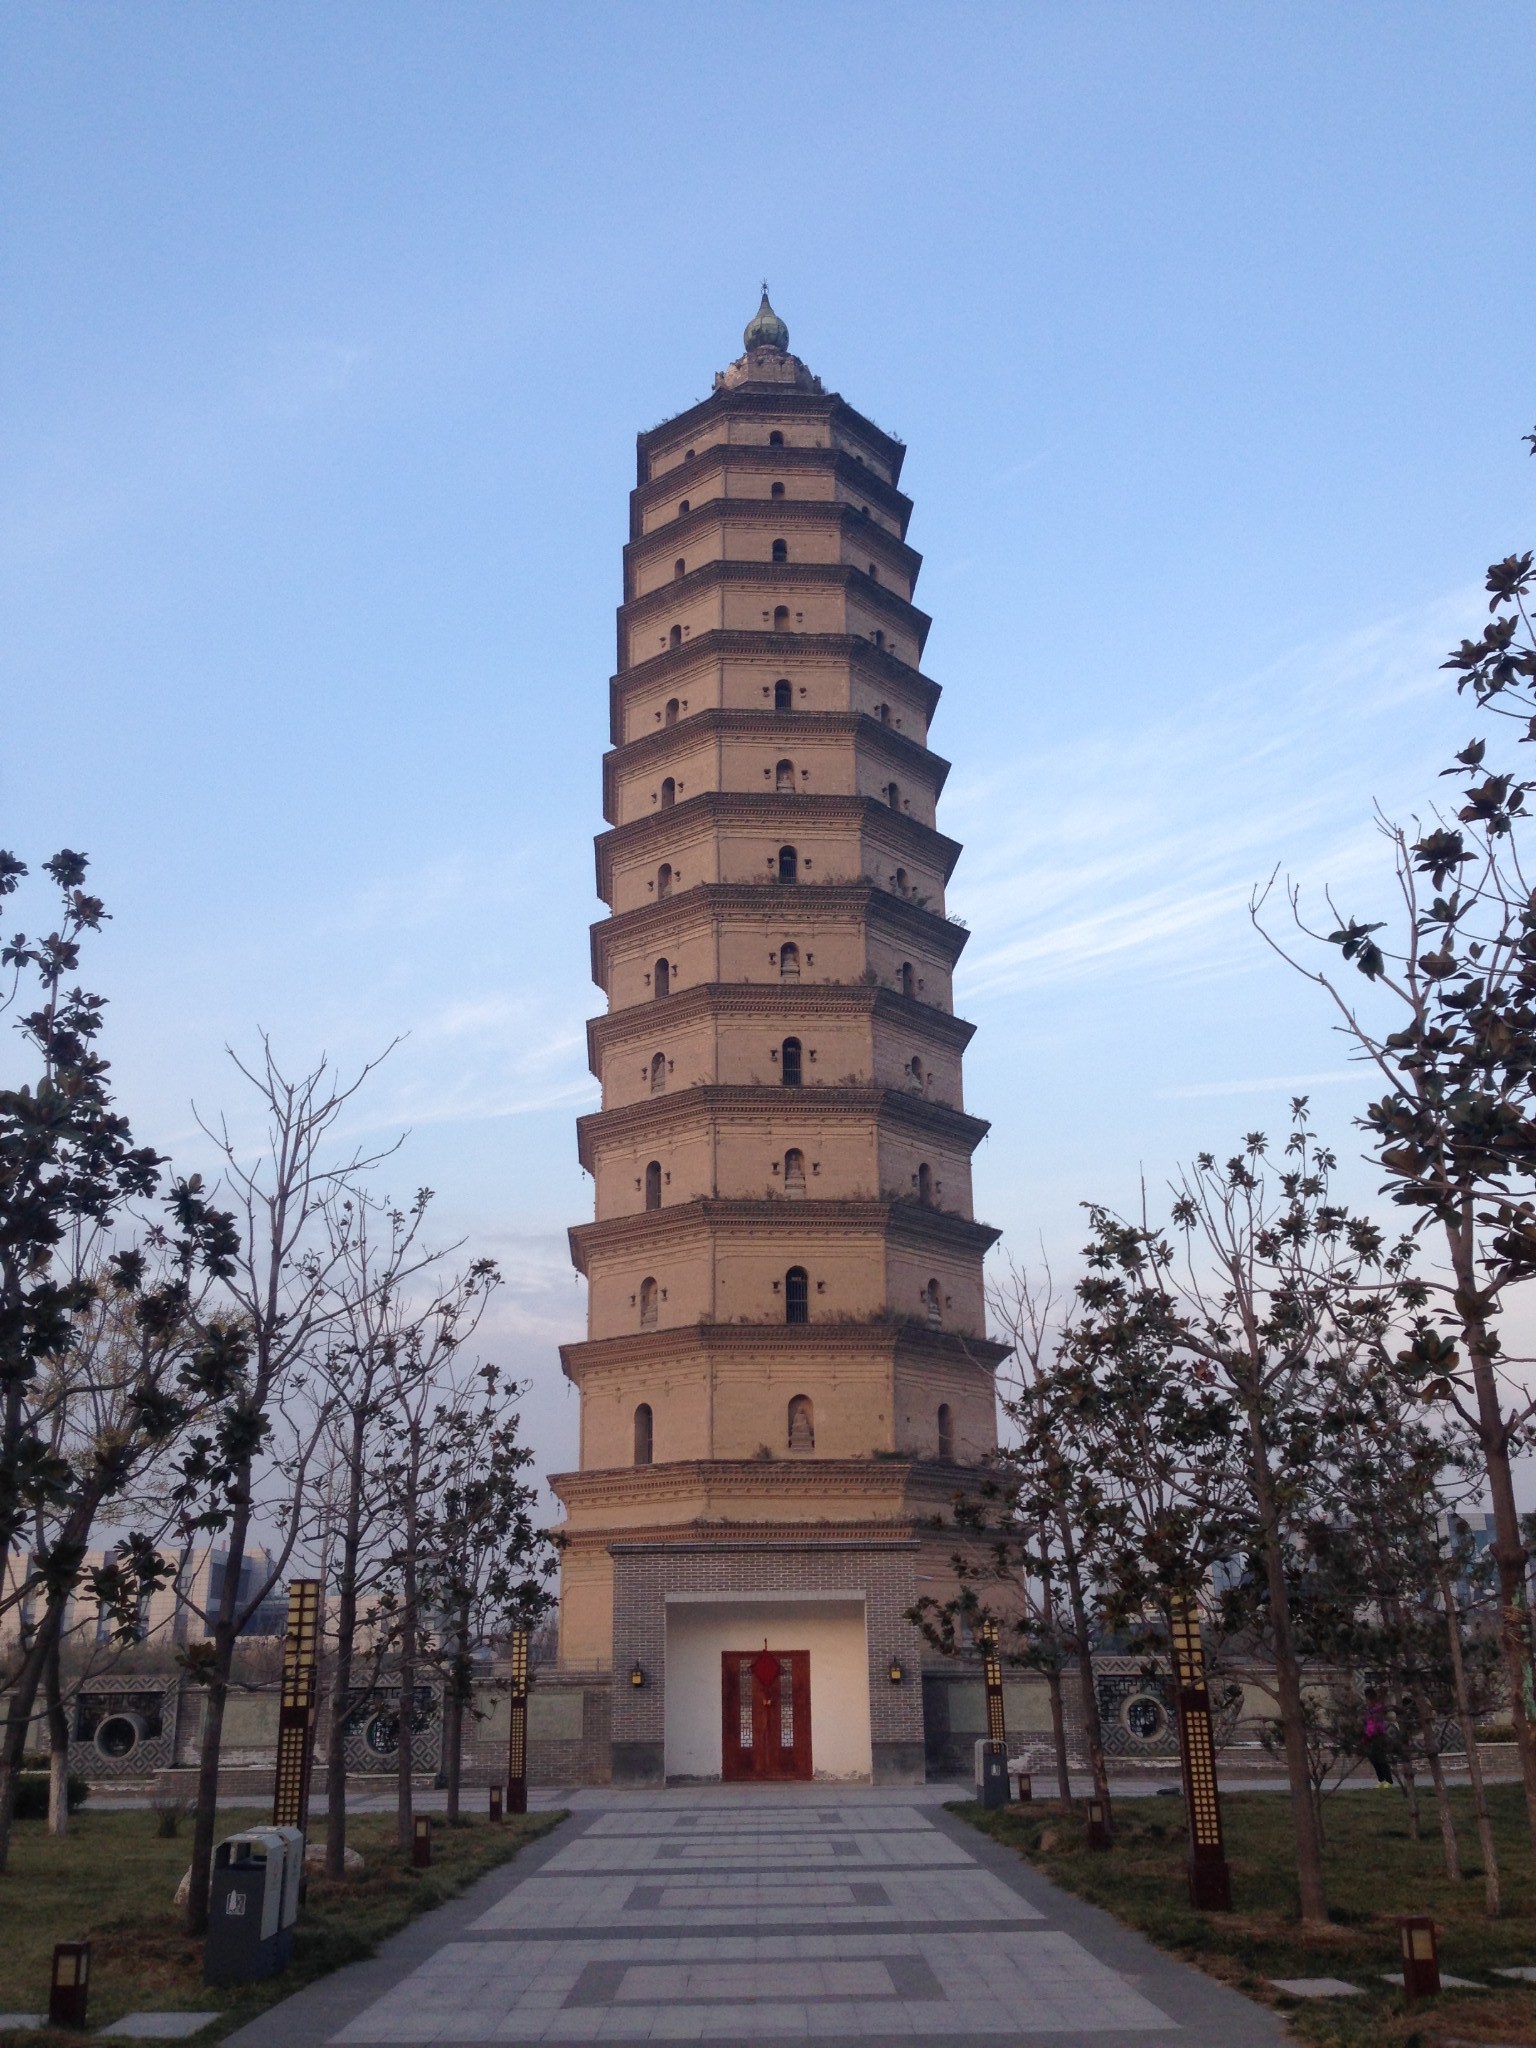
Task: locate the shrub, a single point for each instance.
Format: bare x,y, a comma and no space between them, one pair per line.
32,1794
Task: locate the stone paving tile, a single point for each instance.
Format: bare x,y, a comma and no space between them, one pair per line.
759,1986
748,1898
757,1916
159,2026
1317,1987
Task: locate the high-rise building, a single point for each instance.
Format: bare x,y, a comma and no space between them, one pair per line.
786,1356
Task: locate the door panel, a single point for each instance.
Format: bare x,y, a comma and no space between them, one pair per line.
765,1698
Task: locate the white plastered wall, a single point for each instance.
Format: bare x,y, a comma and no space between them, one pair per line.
701,1629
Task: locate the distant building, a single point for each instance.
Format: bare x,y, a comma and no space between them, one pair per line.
177,1612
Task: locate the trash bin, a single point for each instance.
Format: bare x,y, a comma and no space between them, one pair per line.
992,1772
252,1905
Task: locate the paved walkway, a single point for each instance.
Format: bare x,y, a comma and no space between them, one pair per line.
758,1915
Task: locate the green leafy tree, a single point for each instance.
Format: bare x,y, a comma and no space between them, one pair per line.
69,1175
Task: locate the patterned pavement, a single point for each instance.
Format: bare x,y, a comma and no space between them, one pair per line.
757,1915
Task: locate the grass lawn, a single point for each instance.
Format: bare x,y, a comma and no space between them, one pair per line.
112,1880
1374,1872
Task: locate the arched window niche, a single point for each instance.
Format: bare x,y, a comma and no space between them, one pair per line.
802,1425
789,1063
648,1304
653,1184
645,1434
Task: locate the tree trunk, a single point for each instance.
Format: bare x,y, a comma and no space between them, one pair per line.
341,1677
58,1747
1509,1551
1288,1695
1059,1736
1411,1794
1088,1699
406,1758
216,1695
1469,1741
458,1696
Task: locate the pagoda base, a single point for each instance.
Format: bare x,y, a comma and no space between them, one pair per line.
685,1605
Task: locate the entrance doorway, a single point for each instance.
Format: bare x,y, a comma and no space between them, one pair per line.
766,1704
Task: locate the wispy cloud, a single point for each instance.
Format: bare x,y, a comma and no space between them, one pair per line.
1137,849
1268,1084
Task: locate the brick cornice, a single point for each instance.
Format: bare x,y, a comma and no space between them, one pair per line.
904,835
868,734
776,1000
862,901
757,456
718,642
893,1340
709,1216
717,1102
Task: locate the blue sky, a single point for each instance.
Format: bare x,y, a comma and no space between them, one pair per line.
325,334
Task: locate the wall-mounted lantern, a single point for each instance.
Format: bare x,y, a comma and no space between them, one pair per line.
896,1674
637,1676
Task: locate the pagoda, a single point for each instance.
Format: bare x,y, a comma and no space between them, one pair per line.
786,1357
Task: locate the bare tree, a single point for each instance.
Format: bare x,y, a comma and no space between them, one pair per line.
265,1428
375,1255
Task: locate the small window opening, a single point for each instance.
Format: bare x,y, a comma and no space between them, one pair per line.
778,491
789,962
900,881
885,713
679,567
908,979
653,1184
874,573
915,1068
662,978
802,1424
879,637
647,1304
689,456
789,1060
946,1432
644,1434
781,551
931,1300
794,1171
663,881
781,618
658,1073
893,796
925,1182
789,864
783,696
775,439
675,637
669,716
797,1296
668,793
784,775
684,507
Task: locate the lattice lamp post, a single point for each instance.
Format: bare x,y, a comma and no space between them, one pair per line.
517,1729
1210,1880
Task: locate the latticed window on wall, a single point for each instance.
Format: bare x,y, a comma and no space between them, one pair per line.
797,1295
644,1434
744,1695
789,1062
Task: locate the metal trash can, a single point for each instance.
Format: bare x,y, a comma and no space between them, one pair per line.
992,1773
252,1905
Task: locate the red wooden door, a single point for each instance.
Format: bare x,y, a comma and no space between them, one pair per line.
765,1700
